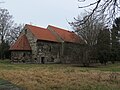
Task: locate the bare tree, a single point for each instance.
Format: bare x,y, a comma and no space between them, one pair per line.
89,32
110,8
13,33
6,23
8,31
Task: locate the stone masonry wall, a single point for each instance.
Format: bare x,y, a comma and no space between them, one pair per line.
32,41
48,52
72,53
21,56
51,52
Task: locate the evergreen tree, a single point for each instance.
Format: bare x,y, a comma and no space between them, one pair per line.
115,39
4,50
103,46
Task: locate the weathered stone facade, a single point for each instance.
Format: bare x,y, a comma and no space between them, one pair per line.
43,51
21,56
48,52
32,41
72,53
21,50
48,46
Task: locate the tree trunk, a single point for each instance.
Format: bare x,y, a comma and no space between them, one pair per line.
86,57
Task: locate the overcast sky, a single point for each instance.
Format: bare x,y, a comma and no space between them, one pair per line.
43,12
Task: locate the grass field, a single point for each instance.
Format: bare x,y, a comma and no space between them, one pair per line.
61,77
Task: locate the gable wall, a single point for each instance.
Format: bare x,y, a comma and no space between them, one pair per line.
32,41
55,34
70,52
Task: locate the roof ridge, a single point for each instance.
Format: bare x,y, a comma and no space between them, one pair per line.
67,36
60,28
41,33
35,26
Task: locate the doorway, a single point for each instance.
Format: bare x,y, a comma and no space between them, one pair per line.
42,60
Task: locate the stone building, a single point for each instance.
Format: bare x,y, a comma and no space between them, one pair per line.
21,49
47,45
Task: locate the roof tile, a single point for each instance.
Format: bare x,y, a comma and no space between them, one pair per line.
66,35
21,44
41,33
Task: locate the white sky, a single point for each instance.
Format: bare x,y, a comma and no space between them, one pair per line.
43,12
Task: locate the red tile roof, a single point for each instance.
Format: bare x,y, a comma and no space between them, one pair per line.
21,44
66,35
41,33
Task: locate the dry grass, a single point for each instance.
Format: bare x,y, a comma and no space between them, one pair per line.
59,77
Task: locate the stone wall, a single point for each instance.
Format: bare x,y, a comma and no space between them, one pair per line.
43,51
51,52
21,56
72,53
48,52
32,41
